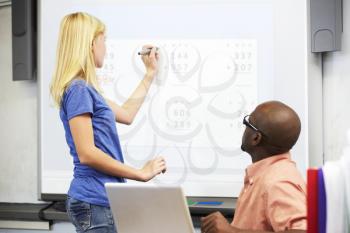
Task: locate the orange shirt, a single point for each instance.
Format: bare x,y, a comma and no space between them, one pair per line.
273,197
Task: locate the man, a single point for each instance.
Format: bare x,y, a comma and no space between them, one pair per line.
273,198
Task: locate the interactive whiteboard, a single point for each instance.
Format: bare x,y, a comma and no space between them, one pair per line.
219,60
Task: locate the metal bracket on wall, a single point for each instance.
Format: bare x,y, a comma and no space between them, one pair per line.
326,25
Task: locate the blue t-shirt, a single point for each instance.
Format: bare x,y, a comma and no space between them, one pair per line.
88,183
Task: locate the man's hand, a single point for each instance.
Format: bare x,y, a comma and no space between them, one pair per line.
216,223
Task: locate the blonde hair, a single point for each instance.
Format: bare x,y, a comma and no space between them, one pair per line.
74,53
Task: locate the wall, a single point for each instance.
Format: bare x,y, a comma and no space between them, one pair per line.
315,106
336,93
18,126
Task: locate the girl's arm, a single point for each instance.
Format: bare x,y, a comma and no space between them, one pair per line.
126,113
89,154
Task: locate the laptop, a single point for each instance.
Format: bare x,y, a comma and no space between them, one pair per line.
148,208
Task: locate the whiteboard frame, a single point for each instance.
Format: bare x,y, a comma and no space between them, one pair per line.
312,69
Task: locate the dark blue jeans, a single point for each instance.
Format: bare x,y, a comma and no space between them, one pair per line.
90,218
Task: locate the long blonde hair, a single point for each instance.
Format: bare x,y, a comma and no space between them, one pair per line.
74,52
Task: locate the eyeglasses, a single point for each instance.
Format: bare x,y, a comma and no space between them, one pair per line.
247,123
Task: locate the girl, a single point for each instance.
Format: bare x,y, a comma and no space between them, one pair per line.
89,121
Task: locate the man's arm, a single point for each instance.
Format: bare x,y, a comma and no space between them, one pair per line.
217,223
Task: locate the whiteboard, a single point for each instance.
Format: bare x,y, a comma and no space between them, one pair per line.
219,60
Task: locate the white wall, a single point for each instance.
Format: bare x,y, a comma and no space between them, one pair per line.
18,126
336,92
315,107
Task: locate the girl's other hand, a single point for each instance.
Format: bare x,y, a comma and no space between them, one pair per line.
152,168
